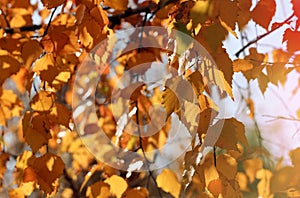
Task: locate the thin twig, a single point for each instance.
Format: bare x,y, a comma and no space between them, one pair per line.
143,151
263,35
49,23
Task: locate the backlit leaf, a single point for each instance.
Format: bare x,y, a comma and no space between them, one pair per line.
43,101
136,193
98,190
229,128
117,185
167,180
241,65
292,38
251,167
52,3
48,168
263,12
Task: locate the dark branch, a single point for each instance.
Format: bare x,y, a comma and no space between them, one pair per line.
263,35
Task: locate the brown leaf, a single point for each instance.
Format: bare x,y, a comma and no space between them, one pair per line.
229,128
31,50
48,168
98,190
136,193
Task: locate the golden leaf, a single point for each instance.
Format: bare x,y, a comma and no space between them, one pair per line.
251,167
295,157
241,65
167,180
227,166
117,185
263,186
43,101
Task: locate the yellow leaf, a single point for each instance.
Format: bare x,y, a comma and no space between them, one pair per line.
242,179
227,166
295,157
117,185
251,167
199,13
284,179
241,65
263,186
263,12
43,101
167,180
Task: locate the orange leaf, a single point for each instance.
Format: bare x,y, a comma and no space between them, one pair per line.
263,12
216,187
292,38
52,3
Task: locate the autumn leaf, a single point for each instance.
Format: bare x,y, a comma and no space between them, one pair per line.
284,179
31,50
48,168
216,187
292,38
227,166
228,12
117,185
167,180
263,12
263,186
244,13
251,167
43,101
241,65
98,189
52,3
295,157
119,5
229,128
136,193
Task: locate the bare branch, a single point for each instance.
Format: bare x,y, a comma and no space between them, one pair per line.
263,35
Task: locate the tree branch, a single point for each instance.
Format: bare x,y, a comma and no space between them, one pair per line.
263,35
